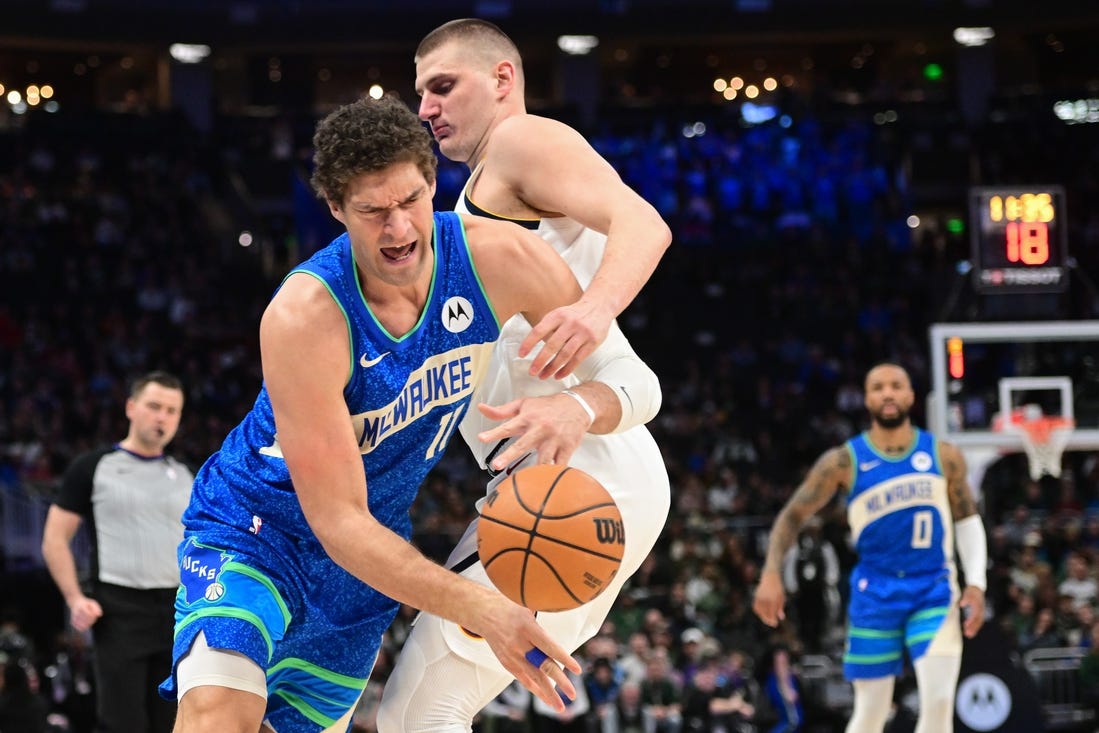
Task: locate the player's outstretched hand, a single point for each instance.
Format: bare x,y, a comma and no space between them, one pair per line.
568,334
973,610
516,639
552,425
770,598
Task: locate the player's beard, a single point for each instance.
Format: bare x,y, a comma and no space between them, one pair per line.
891,422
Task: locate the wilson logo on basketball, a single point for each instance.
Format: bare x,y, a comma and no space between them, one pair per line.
609,531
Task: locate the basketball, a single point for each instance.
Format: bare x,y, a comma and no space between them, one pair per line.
550,537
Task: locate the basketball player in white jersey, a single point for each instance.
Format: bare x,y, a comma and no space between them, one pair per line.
543,175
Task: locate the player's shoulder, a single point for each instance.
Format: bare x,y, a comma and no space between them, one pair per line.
835,459
527,134
500,245
950,454
943,447
301,298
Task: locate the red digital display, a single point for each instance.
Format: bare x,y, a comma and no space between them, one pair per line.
1019,239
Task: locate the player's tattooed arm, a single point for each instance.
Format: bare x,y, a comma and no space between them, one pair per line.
831,471
962,503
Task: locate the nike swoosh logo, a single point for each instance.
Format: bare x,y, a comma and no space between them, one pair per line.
868,465
365,363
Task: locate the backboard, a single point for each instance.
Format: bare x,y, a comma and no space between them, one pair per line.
981,371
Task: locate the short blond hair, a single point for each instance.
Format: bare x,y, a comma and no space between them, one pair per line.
483,39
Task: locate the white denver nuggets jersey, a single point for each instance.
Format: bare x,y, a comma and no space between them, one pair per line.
508,375
898,508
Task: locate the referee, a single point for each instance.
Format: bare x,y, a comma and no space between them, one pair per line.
132,495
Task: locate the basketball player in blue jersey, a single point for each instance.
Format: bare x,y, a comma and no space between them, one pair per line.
295,553
544,176
908,504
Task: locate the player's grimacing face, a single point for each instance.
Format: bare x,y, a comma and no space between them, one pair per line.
389,218
889,396
456,99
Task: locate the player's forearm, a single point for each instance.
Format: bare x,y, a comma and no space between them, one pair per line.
634,248
784,533
603,403
388,563
633,394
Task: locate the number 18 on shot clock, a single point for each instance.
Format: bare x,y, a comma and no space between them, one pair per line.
1019,239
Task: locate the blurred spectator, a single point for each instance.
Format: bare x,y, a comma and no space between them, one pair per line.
710,705
784,693
1043,634
509,711
573,719
661,695
632,662
22,708
603,684
1079,582
1089,672
629,712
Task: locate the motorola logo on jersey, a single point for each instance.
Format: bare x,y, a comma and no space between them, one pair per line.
921,461
983,702
457,314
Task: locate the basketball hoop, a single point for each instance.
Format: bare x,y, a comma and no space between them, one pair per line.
1044,437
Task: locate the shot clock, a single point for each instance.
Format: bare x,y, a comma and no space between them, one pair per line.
1019,239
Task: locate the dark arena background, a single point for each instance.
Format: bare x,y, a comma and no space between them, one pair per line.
847,181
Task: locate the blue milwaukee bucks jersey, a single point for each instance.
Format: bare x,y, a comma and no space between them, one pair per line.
405,397
898,508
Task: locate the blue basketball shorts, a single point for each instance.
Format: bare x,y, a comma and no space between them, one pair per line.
311,626
891,612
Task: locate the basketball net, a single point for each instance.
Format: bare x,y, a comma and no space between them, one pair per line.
1044,437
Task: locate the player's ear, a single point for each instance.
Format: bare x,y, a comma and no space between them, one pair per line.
336,210
505,77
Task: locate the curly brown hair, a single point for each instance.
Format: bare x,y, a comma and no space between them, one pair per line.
368,136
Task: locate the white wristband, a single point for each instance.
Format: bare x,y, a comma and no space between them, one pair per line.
969,534
583,403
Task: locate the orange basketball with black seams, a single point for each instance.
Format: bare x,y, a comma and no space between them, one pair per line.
550,537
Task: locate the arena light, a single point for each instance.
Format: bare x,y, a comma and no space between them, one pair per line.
757,114
1077,112
577,45
973,36
376,91
189,53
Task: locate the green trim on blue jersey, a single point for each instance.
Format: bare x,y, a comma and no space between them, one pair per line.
477,275
265,582
929,613
872,658
898,458
430,292
873,633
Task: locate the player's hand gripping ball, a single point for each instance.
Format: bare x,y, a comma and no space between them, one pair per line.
550,537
